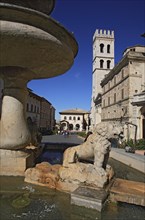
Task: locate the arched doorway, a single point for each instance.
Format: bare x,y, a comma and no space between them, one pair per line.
64,125
70,127
29,121
77,127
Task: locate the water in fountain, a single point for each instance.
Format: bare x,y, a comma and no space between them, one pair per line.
44,203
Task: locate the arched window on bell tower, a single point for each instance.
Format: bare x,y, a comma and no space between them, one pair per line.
101,63
108,64
101,48
108,48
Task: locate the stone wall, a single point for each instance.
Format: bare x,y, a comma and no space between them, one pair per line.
119,87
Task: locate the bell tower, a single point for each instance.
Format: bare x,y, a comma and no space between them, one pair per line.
103,62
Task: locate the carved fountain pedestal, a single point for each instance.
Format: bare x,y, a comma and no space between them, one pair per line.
33,46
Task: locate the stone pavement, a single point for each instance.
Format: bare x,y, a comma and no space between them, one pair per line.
135,161
62,139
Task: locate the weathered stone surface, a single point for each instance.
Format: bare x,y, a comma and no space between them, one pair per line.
45,6
85,174
32,46
43,174
34,38
71,178
74,173
128,191
14,133
14,163
66,186
89,197
98,146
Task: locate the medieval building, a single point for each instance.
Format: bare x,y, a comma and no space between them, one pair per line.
118,92
103,62
40,111
123,93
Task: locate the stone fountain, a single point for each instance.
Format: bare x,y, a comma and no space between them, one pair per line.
33,46
85,164
85,172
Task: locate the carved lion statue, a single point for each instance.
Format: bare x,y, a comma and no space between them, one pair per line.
97,146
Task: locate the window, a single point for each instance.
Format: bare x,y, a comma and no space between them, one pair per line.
109,84
37,109
69,117
74,118
77,127
27,107
71,126
114,80
104,103
108,48
122,73
65,118
31,108
78,118
101,63
122,93
108,100
108,64
114,97
101,48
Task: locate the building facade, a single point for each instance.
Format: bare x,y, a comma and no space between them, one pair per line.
38,110
123,97
33,108
74,120
47,115
103,62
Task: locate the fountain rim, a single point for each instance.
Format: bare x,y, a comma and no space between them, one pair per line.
26,4
46,20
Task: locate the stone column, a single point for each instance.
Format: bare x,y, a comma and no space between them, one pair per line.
14,133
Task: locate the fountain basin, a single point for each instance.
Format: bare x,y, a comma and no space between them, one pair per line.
43,198
33,40
45,6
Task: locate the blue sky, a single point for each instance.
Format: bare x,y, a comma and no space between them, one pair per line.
82,17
